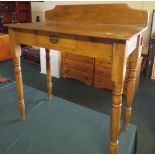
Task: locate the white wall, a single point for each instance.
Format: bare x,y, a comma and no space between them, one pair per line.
38,8
55,61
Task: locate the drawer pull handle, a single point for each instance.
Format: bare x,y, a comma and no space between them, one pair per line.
54,39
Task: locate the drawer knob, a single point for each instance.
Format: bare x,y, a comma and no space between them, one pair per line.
54,39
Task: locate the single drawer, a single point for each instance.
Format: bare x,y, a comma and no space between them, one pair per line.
95,47
79,58
78,75
27,37
77,65
56,40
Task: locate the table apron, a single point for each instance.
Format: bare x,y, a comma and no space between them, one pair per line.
85,46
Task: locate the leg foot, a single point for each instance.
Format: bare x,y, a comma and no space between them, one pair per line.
115,119
21,107
113,147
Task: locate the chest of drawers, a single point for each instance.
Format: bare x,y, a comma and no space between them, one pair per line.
78,67
102,75
94,72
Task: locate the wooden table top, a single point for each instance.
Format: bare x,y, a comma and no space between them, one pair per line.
105,31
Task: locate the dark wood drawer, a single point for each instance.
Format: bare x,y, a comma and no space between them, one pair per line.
87,78
80,66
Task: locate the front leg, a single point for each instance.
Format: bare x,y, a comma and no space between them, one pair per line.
48,72
16,53
118,76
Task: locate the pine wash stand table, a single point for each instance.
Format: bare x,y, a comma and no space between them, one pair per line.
108,31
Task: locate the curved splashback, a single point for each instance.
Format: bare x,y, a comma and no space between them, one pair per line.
98,13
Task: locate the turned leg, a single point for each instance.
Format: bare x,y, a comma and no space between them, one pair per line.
133,61
130,94
48,72
19,86
16,53
115,116
118,76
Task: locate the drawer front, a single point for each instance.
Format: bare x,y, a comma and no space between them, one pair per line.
107,64
78,75
95,46
100,62
102,71
107,72
25,37
77,65
56,40
76,57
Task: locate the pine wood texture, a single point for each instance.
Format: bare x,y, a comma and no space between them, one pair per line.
49,74
87,78
63,19
102,75
78,58
75,66
133,61
118,78
100,13
16,53
5,53
105,31
78,67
